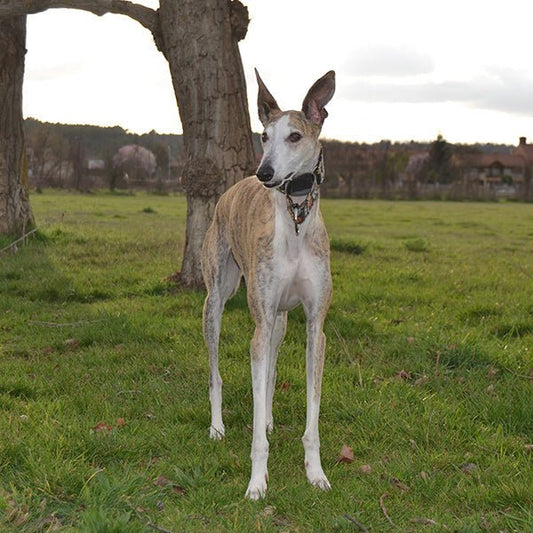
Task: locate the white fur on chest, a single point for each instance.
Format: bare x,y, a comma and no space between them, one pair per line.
297,271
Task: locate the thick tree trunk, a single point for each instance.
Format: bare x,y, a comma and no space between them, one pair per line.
200,43
15,212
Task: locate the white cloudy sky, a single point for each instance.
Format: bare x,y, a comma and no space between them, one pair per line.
405,70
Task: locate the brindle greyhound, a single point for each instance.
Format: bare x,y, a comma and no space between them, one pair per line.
269,229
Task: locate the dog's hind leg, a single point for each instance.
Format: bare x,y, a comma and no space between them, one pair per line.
278,332
222,276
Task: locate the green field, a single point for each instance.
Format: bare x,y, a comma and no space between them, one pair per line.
104,408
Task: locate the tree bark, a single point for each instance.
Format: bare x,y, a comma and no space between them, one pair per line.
15,212
208,79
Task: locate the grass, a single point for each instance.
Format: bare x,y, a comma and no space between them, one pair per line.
103,391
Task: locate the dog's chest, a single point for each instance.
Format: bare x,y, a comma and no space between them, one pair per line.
296,271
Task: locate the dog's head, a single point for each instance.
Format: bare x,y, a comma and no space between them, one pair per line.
290,138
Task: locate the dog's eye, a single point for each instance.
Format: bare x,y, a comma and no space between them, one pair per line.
294,137
264,137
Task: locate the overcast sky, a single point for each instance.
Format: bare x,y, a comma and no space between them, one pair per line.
405,70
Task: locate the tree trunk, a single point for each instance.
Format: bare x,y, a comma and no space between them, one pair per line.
15,212
200,44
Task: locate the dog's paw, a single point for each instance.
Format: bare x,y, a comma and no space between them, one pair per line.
256,491
217,433
318,479
322,484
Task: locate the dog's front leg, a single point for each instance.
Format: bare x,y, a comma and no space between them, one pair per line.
316,344
259,351
278,332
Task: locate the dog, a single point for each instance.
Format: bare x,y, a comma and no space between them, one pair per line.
268,228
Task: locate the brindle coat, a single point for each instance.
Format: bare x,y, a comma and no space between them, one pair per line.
252,235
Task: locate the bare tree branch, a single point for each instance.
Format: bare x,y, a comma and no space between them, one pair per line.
144,15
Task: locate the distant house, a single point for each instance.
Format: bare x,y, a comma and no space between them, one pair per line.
525,151
493,168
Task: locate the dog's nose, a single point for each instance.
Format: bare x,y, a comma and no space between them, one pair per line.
265,173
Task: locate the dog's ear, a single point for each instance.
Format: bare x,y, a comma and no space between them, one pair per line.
318,96
266,104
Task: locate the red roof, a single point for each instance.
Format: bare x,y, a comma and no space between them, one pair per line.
486,160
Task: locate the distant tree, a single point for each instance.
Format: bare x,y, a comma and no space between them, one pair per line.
39,142
134,163
162,157
15,211
76,156
47,154
161,152
417,166
200,41
440,168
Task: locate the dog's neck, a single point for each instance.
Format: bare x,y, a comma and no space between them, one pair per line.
302,184
304,187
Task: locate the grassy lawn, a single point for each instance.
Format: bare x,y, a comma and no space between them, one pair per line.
104,408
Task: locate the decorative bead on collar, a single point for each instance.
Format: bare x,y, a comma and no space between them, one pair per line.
304,184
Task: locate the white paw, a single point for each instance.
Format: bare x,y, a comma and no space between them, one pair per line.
217,433
256,490
319,480
257,487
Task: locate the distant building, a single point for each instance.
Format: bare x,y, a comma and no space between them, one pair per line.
492,168
525,151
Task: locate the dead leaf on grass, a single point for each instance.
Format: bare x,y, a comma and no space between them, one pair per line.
346,455
403,374
162,481
50,523
365,469
102,428
469,468
492,372
73,344
422,380
285,386
399,484
269,510
17,515
429,522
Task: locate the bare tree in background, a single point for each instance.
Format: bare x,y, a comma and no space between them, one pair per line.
15,212
199,39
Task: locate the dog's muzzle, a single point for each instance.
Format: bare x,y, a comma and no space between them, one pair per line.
265,173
